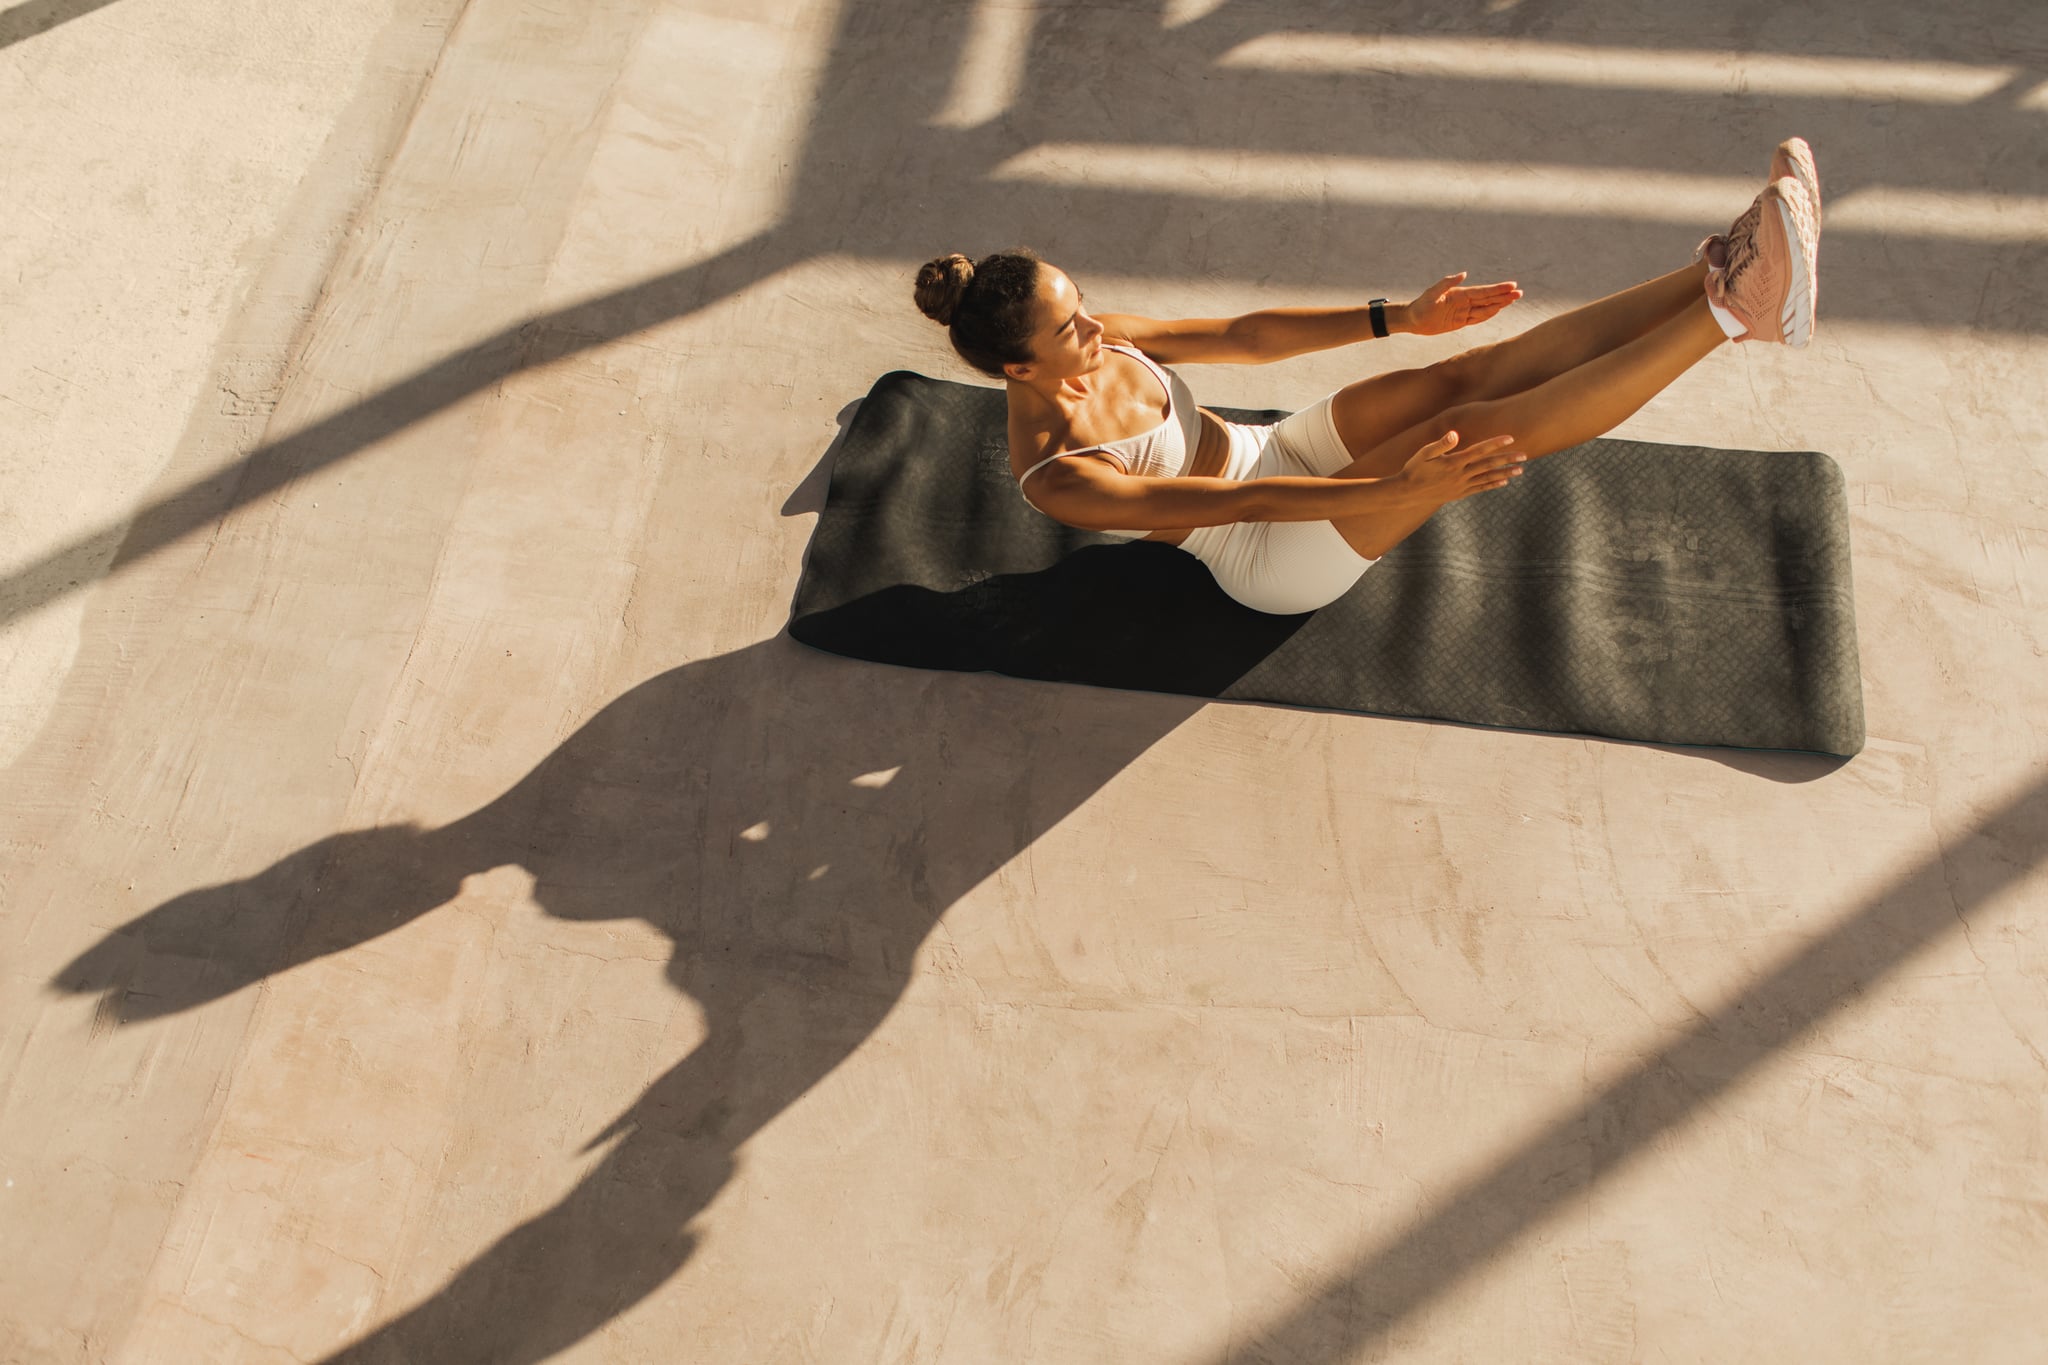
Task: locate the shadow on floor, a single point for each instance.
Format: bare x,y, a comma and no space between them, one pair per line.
22,22
1359,1304
797,944
717,802
871,133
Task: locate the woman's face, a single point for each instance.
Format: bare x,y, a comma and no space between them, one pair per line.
1066,342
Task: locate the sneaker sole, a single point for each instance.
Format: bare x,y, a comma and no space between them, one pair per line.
1797,159
1802,296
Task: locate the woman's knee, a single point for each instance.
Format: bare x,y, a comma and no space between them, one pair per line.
1489,414
1466,377
1536,431
1473,421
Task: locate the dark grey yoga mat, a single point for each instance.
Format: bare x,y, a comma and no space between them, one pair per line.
1673,594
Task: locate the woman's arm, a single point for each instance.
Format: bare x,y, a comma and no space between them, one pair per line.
1089,493
1278,333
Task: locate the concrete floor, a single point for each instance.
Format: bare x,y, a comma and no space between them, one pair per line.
445,920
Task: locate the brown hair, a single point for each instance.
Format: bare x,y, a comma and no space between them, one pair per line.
985,305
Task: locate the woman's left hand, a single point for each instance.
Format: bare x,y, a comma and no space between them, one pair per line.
1450,303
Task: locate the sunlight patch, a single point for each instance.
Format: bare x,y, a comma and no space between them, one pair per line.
1626,68
1509,187
991,70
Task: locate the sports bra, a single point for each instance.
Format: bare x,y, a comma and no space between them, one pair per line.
1160,453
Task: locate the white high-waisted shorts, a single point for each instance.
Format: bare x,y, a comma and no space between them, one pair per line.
1282,567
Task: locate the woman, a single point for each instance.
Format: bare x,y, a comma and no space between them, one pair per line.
1287,517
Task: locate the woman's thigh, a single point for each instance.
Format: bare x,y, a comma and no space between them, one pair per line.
1371,411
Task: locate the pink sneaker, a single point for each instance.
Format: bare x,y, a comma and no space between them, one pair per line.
1795,158
1763,271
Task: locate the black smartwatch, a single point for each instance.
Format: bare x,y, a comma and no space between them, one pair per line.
1379,317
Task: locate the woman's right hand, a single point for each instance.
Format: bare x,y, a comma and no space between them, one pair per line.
1440,472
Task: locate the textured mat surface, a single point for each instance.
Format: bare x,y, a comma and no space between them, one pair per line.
1665,593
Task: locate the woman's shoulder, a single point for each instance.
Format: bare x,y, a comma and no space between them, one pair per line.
1041,428
1038,430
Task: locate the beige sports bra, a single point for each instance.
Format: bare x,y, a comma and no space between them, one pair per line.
1160,453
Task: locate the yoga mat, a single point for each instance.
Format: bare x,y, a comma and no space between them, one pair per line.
1665,593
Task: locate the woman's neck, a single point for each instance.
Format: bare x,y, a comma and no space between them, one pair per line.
1066,392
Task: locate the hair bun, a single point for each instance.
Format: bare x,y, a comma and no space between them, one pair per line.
940,283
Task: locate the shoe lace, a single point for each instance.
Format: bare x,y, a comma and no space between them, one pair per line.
1742,245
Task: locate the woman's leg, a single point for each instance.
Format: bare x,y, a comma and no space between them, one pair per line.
1555,415
1371,410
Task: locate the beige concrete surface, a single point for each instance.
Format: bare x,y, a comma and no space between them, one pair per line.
443,919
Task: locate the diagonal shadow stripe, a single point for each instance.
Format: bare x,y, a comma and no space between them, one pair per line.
23,22
279,464
831,143
858,113
1359,1305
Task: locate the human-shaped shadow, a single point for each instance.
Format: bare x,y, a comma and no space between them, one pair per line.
795,822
